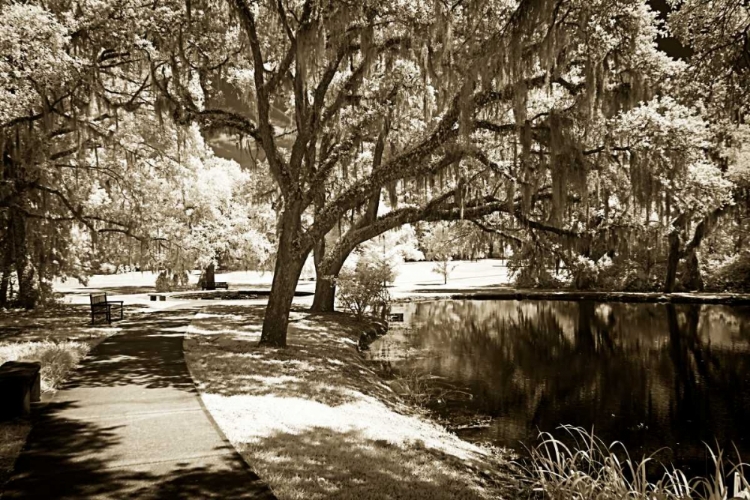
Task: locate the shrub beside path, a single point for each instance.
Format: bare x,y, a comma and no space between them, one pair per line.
129,424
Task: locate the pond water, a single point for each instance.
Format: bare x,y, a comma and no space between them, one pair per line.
650,375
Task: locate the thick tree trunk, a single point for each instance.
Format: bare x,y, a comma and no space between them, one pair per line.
325,285
672,261
324,299
4,279
5,267
325,294
276,320
290,259
27,296
693,279
327,272
209,277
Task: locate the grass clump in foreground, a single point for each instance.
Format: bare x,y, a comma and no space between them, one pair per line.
57,358
56,337
590,469
315,421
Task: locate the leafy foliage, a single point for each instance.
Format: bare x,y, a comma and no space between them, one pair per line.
732,274
557,125
364,289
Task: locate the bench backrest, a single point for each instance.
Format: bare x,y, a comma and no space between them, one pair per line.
98,298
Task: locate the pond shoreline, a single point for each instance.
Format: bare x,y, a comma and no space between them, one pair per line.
568,362
578,296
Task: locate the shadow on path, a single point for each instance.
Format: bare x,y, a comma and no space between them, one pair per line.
129,424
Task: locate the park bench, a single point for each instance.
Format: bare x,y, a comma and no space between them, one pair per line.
100,306
396,317
217,284
19,387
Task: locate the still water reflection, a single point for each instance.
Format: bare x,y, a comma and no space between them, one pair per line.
650,375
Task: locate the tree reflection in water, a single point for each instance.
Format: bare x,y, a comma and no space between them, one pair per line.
650,375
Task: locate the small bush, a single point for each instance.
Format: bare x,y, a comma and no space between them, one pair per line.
423,390
529,277
730,275
364,288
414,387
592,470
167,282
163,283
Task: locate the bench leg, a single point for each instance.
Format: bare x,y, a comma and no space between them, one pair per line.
26,403
35,391
16,402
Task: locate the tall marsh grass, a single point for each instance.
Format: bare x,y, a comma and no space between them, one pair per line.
57,358
589,469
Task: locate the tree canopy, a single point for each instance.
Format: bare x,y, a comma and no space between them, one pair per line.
555,125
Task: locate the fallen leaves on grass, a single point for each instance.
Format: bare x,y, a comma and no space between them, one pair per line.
315,421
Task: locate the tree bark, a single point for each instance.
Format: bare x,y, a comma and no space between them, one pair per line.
19,258
4,277
672,261
209,277
276,320
325,295
693,279
323,300
290,258
325,284
6,262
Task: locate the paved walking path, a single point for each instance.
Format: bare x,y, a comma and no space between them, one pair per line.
130,424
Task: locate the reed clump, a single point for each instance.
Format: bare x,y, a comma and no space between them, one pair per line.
590,469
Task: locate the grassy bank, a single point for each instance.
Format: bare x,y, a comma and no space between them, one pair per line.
315,421
58,338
